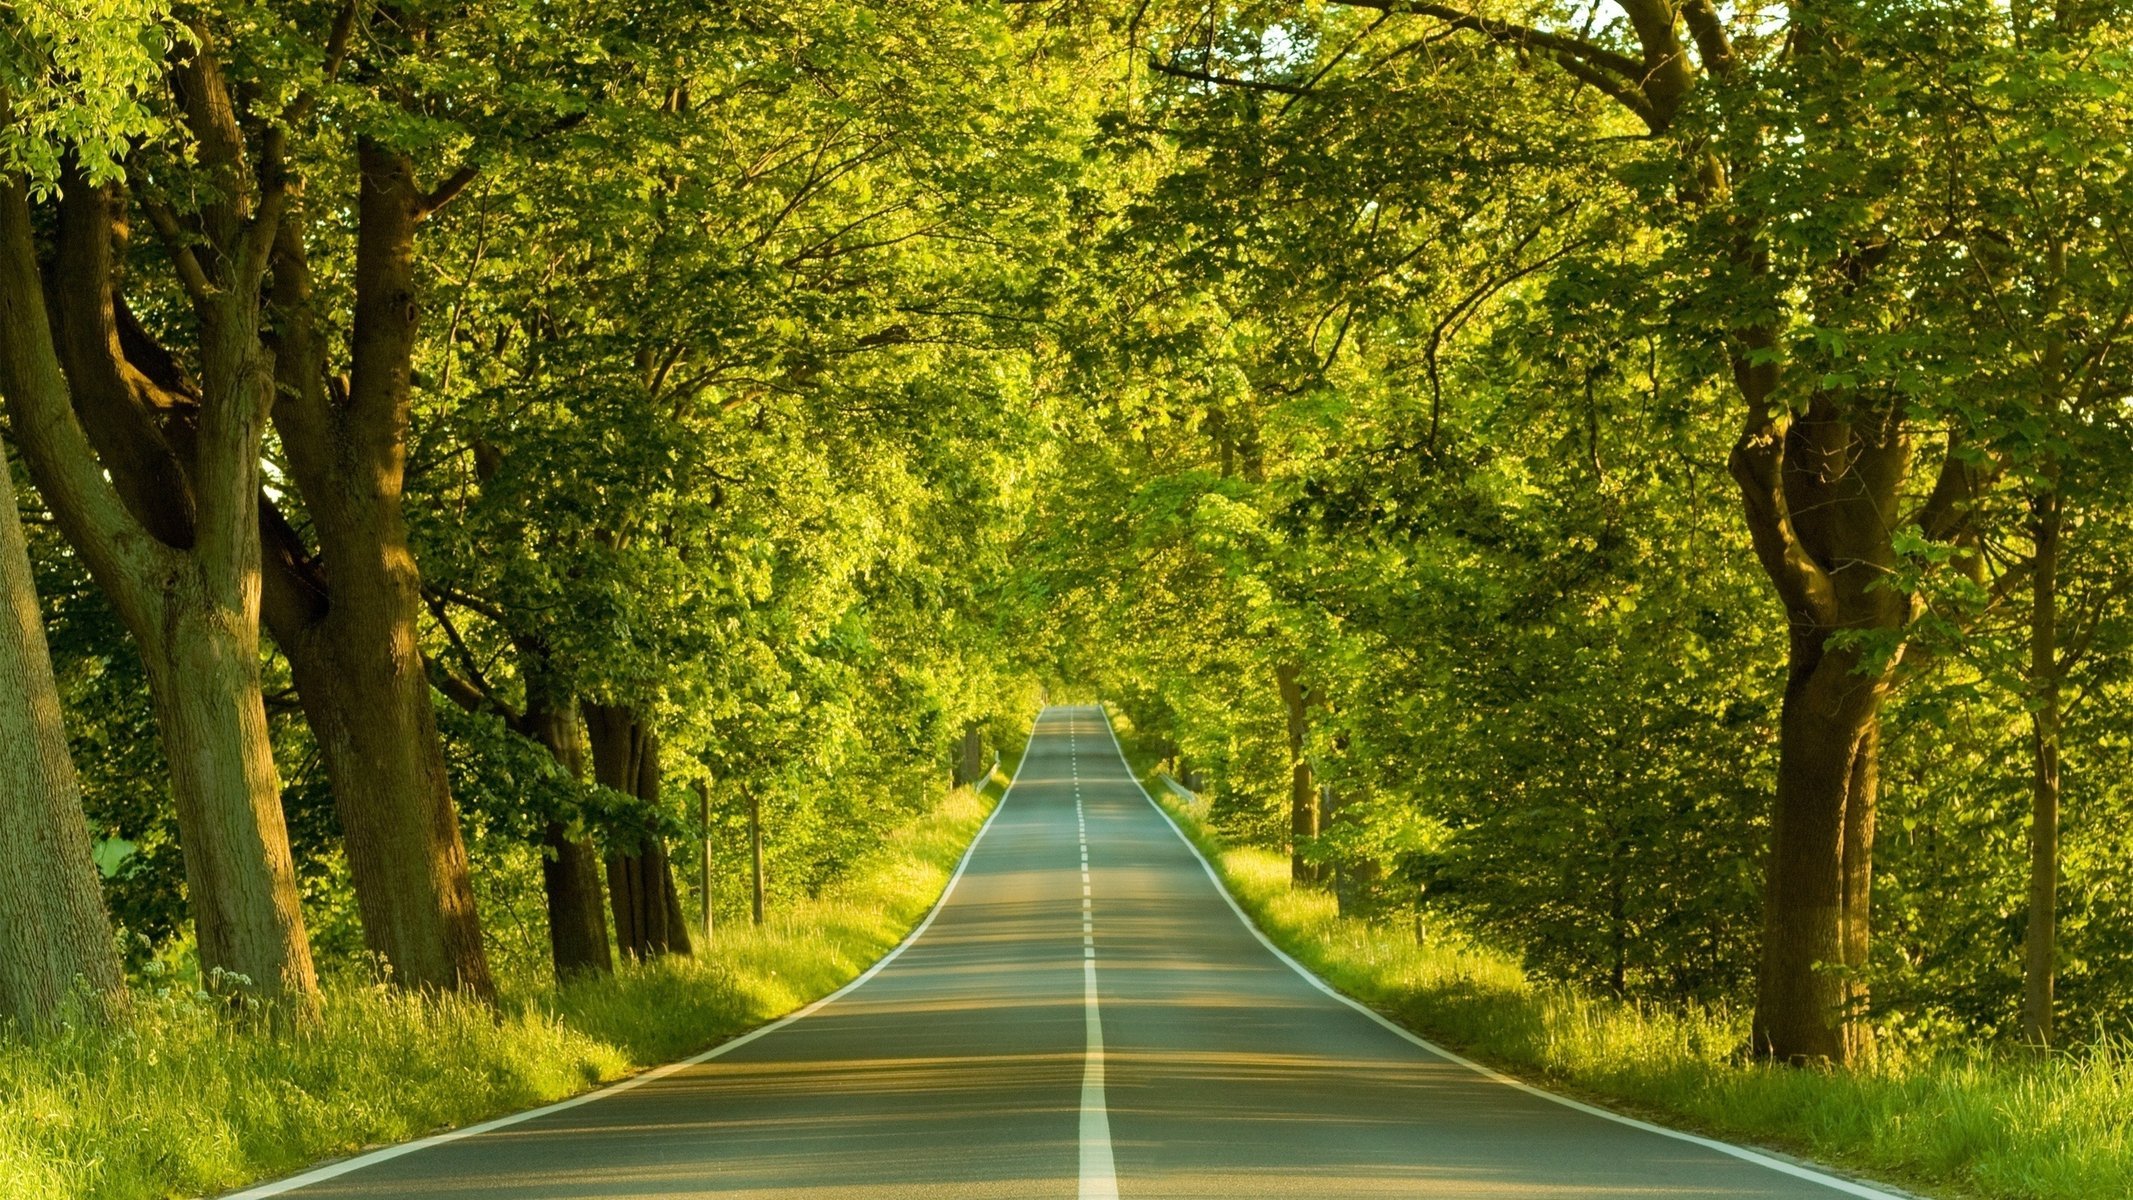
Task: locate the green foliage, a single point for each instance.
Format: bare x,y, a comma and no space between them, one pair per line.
1407,367
73,81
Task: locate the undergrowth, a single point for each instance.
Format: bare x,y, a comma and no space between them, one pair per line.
185,1101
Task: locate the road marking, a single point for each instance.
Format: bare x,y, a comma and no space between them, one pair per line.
1846,1186
1099,1177
1099,1174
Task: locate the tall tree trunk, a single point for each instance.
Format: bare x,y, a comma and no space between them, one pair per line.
570,867
191,604
570,883
640,882
1811,990
351,633
203,678
2040,942
679,939
970,771
1818,489
55,938
1303,793
379,744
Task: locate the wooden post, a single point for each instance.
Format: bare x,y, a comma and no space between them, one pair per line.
755,846
703,835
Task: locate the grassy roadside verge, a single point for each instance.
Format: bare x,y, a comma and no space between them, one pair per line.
186,1103
1968,1122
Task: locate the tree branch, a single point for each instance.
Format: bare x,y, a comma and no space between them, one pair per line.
1757,464
1510,33
1619,90
1255,85
1712,44
61,460
446,192
180,250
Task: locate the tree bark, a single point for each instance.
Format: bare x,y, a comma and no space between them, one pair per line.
203,677
56,949
640,878
570,883
1303,793
679,939
379,745
570,867
1810,988
970,771
2040,940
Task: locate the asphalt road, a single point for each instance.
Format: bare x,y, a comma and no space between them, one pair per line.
1084,1015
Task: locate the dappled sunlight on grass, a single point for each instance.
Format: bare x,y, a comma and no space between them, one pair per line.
1996,1123
187,1101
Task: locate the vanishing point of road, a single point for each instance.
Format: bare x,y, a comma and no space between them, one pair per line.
1085,1014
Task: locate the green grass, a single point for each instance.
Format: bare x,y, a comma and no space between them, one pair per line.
185,1102
1955,1121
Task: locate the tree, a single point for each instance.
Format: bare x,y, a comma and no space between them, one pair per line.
176,549
55,942
1770,183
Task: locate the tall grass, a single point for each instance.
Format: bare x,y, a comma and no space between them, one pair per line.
1958,1120
186,1101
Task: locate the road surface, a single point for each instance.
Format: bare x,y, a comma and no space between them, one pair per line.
1085,1015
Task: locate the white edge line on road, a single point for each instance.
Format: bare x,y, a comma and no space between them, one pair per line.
1846,1186
374,1157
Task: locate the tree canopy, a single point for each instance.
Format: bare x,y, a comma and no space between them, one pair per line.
1641,479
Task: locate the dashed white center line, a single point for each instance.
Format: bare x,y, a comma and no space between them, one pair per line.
1099,1175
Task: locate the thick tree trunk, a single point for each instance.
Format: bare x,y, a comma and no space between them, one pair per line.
203,676
1811,986
570,882
351,633
1303,793
626,896
2040,941
570,867
359,676
640,883
56,948
1818,489
679,937
640,888
192,608
970,770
